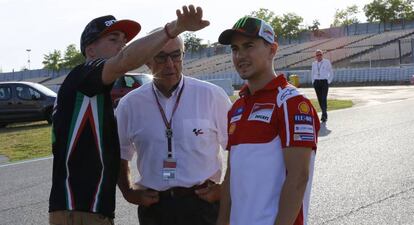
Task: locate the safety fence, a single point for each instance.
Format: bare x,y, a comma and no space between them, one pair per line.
31,74
341,76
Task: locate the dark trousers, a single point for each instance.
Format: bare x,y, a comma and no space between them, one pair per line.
321,88
189,210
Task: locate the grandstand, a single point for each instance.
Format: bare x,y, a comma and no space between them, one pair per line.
343,56
393,50
355,52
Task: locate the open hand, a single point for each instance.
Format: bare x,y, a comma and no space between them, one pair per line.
190,19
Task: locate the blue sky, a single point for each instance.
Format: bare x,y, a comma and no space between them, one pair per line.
45,25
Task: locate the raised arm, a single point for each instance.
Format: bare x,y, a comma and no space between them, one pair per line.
331,74
138,52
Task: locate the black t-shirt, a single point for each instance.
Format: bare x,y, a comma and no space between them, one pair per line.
85,144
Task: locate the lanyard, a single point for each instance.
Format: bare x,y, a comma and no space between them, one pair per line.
168,123
319,67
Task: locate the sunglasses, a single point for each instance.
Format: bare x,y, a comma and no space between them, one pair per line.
176,56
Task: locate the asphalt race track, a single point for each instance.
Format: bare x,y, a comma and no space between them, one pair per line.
364,171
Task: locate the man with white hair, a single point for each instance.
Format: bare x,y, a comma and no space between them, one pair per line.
322,76
175,125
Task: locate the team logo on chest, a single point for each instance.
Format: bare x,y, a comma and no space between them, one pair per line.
262,112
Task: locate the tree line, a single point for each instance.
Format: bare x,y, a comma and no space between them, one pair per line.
288,26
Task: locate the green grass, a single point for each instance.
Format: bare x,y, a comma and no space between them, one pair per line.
32,140
25,141
333,104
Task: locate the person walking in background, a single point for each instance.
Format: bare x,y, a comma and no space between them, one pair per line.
272,136
322,76
85,143
176,126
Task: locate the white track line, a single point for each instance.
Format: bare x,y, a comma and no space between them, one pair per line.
23,162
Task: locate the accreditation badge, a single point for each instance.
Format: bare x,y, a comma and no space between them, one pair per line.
169,169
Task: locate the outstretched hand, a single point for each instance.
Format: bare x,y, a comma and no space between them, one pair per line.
190,19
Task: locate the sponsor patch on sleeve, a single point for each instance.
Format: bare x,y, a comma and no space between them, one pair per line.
232,128
303,119
304,128
285,94
303,137
262,112
304,108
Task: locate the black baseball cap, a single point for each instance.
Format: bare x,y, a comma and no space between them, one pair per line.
249,26
105,25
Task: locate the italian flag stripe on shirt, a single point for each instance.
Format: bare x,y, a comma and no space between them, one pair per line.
87,109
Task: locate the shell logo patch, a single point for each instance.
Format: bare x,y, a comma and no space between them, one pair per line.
232,128
304,107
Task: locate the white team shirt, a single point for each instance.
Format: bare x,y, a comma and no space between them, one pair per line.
199,129
322,70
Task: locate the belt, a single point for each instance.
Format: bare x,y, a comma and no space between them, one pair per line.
182,192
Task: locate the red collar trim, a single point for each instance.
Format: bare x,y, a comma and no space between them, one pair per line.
279,80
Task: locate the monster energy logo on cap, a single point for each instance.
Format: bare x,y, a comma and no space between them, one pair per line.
249,26
240,22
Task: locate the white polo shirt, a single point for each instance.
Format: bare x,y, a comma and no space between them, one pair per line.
322,70
199,129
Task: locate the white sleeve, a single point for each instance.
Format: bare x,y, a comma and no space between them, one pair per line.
222,106
330,72
313,72
122,117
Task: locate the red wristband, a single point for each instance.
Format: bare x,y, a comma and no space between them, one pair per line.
167,32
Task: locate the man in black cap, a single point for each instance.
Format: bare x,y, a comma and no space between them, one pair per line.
272,136
85,140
